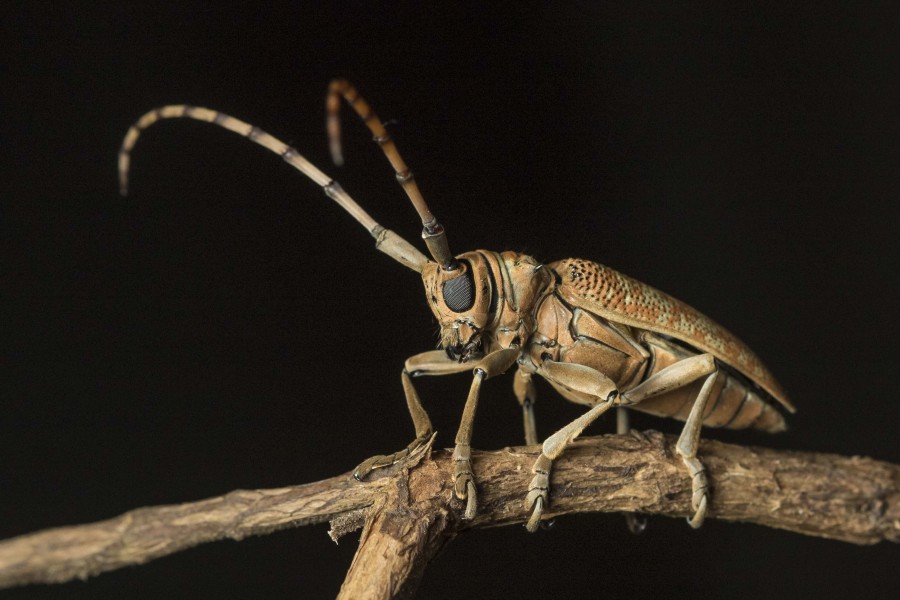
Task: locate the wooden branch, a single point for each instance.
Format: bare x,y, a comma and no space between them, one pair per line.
410,513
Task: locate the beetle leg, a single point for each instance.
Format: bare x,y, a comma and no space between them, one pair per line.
578,378
463,478
424,434
434,362
688,443
674,376
636,523
493,364
526,394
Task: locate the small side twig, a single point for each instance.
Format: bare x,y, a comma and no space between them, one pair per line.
410,512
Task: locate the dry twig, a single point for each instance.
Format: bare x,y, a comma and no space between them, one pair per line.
410,513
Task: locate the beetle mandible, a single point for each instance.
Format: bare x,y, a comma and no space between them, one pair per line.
599,337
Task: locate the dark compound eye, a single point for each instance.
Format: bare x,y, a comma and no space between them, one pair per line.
459,292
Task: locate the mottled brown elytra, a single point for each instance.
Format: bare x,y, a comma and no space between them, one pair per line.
599,337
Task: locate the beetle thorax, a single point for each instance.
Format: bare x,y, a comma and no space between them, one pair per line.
486,303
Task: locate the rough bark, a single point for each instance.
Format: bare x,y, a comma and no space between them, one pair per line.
409,513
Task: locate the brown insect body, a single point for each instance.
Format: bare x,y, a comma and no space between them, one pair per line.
612,295
597,336
579,312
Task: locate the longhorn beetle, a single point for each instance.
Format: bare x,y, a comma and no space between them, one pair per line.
599,337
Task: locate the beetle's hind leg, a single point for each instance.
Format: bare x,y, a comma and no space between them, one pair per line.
688,443
591,383
674,376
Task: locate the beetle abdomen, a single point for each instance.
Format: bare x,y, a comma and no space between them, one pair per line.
621,299
734,403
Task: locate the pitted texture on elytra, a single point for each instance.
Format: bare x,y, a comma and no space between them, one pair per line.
622,299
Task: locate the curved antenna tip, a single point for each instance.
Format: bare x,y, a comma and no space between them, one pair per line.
125,162
333,127
123,183
337,157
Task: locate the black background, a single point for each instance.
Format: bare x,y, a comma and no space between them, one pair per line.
226,326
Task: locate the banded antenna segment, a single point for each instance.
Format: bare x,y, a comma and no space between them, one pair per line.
432,232
386,240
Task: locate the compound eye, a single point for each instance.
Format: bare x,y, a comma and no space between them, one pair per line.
459,292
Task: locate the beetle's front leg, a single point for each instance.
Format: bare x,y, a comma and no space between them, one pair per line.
424,433
493,364
434,362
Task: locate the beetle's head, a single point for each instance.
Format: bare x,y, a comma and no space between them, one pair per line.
463,302
485,298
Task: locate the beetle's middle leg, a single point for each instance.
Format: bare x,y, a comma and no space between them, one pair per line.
526,394
578,378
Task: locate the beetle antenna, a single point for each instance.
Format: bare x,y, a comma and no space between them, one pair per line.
432,232
386,240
